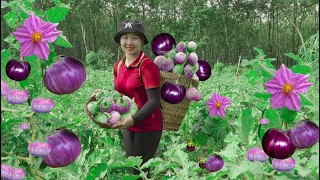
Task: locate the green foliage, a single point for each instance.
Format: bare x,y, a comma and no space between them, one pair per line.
57,14
101,59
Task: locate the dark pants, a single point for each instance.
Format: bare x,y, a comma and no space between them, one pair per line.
142,144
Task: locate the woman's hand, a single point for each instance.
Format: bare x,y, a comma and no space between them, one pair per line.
124,123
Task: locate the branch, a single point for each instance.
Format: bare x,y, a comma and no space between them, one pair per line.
271,174
4,109
236,78
5,158
302,41
40,174
18,157
36,175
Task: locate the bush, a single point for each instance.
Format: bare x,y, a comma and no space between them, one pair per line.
100,60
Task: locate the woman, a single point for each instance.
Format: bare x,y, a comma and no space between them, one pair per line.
136,76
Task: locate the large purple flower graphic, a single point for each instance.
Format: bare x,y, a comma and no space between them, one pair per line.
285,88
34,35
217,105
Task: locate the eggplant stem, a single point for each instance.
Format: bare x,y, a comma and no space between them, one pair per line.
259,128
283,127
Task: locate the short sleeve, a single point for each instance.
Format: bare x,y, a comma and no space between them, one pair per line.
150,76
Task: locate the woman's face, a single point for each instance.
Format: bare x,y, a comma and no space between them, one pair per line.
131,43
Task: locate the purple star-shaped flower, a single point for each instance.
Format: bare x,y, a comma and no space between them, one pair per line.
217,105
34,35
285,88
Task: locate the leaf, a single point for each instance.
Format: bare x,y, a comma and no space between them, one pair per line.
274,120
294,57
288,115
97,156
164,166
268,62
98,171
37,162
131,177
17,130
231,151
305,101
57,1
261,105
62,41
5,58
35,73
259,51
256,169
250,74
302,69
24,13
247,124
82,157
268,73
152,163
10,123
217,175
133,161
201,139
4,4
263,95
10,19
245,62
232,138
235,169
179,157
51,57
253,80
10,39
57,14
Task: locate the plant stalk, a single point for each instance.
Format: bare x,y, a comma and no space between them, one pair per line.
4,109
18,157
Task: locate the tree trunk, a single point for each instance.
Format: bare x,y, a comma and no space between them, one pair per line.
272,34
115,20
69,29
226,36
143,10
202,50
84,31
316,18
293,29
277,35
94,33
269,31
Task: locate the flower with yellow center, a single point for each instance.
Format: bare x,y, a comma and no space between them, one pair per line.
217,105
34,36
285,88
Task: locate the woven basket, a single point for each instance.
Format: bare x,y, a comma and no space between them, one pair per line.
173,114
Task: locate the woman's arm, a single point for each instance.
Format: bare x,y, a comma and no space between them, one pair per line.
149,107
